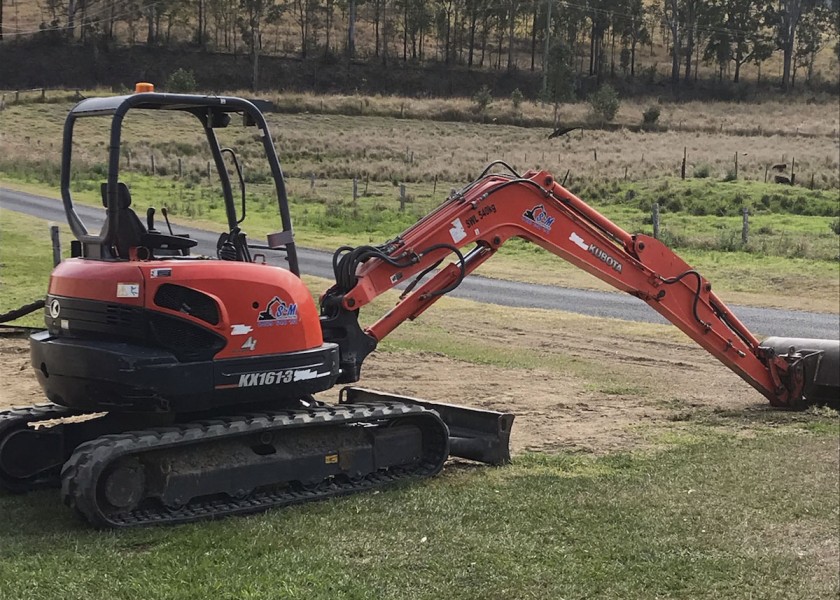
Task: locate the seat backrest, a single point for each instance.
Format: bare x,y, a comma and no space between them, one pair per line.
129,226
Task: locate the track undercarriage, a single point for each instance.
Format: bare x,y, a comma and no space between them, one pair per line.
115,475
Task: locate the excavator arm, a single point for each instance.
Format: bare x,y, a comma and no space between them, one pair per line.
472,224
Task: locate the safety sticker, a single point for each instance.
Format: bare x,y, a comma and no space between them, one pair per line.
161,273
457,232
128,290
240,329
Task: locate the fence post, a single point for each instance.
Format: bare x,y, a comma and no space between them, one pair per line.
43,94
367,181
736,164
355,189
655,219
208,169
180,169
792,170
745,228
402,197
625,172
312,182
685,156
434,187
153,164
56,245
766,169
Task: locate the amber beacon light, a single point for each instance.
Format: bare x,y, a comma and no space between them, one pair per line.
142,87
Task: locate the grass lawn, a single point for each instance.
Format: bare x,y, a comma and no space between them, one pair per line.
708,514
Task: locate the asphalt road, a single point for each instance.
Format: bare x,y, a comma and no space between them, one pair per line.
762,321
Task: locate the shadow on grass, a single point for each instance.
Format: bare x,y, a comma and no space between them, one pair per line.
36,514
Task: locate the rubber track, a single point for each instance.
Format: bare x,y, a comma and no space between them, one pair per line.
19,418
81,473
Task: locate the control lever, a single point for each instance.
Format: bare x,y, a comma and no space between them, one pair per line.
166,218
150,218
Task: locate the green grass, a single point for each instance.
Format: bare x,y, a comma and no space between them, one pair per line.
709,515
26,262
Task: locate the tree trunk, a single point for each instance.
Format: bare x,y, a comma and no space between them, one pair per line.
351,29
150,32
511,23
791,13
534,36
674,26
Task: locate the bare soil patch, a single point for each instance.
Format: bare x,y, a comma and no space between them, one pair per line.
660,383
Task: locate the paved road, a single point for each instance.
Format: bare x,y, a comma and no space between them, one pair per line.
762,321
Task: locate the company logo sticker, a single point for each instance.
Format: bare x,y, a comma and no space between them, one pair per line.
539,218
240,329
278,312
55,308
596,252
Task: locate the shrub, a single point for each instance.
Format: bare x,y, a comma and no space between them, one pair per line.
604,103
702,171
181,80
482,99
835,226
651,115
516,98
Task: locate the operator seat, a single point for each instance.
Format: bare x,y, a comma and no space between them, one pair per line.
130,228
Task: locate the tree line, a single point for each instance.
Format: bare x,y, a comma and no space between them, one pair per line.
564,40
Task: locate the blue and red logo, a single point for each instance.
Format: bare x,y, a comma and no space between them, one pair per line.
539,218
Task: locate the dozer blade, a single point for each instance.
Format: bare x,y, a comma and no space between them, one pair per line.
822,365
475,434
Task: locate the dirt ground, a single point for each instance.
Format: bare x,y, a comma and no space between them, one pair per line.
661,382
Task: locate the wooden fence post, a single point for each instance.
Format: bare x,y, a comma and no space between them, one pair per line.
736,164
355,189
745,227
402,197
312,182
56,245
153,164
208,169
367,181
180,169
685,157
655,219
434,187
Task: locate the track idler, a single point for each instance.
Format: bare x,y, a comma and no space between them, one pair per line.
813,364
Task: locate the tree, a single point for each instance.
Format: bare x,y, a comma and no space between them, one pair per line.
634,30
787,17
810,40
559,75
745,21
255,13
671,15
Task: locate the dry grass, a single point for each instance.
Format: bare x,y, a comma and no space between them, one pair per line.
392,149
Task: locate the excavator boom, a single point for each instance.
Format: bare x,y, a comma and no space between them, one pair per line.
474,223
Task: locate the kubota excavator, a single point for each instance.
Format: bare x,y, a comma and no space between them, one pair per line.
192,377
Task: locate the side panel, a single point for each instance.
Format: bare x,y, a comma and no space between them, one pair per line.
258,309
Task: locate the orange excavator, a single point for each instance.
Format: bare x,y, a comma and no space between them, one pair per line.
182,386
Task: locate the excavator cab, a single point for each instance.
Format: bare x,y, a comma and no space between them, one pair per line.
124,231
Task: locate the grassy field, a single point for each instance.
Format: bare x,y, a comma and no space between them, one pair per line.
708,515
710,502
